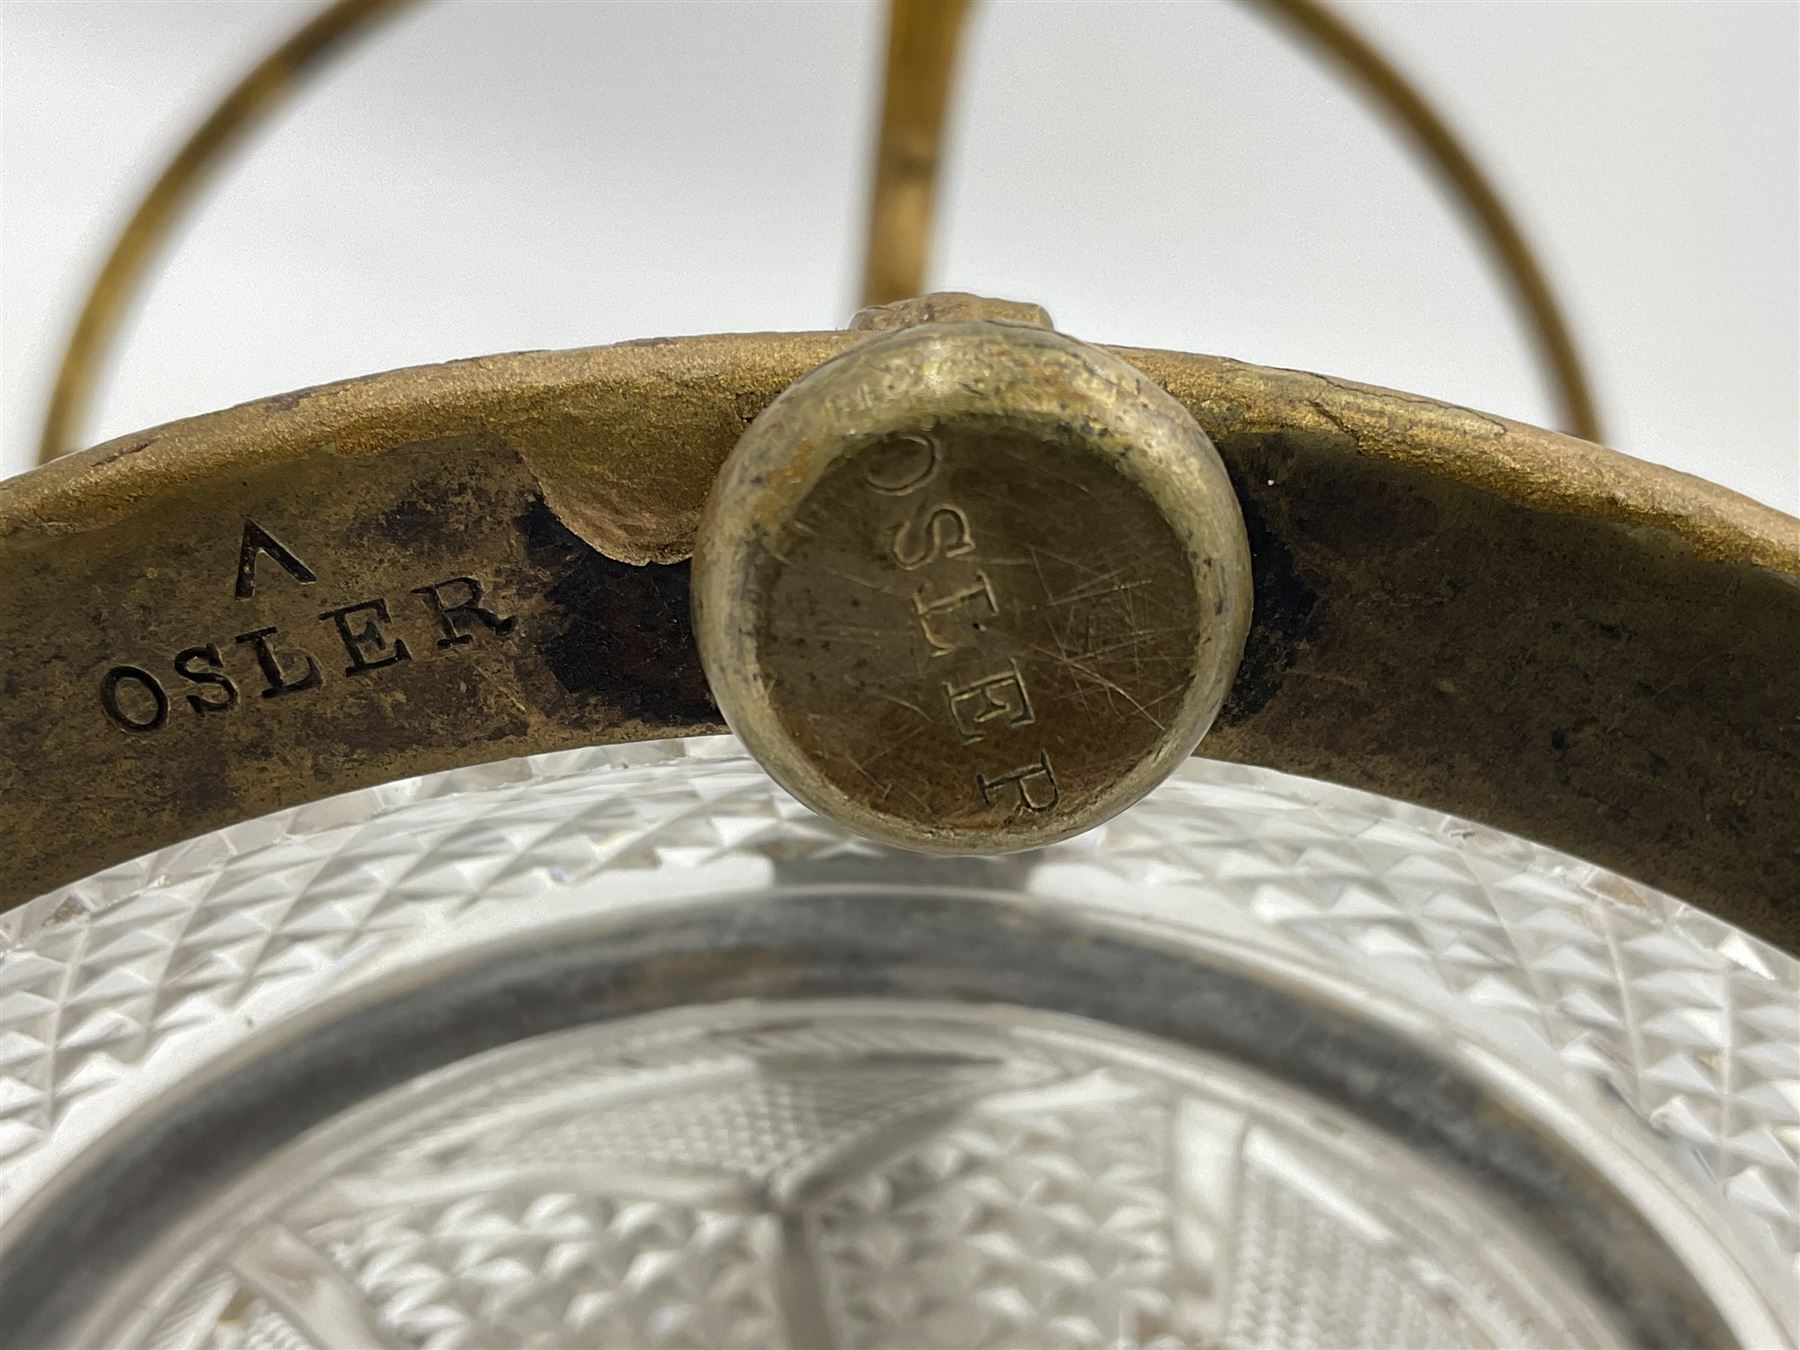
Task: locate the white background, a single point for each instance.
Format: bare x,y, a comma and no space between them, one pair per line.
491,176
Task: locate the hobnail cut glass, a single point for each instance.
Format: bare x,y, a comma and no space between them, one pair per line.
837,1094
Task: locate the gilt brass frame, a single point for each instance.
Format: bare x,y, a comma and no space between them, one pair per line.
432,567
1450,608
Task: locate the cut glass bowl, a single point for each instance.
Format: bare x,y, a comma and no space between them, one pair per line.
623,1047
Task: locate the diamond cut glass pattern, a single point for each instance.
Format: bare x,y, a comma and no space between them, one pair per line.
887,1173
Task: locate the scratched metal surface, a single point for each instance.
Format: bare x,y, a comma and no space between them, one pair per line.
1449,608
972,586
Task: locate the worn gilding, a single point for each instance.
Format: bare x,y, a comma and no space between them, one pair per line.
1450,608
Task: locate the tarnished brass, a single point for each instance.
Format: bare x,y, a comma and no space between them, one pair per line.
971,587
922,42
1449,607
946,307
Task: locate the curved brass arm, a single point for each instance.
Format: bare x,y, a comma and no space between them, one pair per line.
923,39
458,563
1471,189
257,96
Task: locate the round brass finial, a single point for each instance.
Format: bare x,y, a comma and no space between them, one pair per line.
971,587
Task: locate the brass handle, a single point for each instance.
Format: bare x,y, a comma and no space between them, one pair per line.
1488,618
923,40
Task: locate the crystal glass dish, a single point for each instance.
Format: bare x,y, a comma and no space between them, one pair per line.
624,1048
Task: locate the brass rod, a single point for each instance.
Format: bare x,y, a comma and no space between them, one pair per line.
923,36
923,39
1318,27
1671,756
922,44
252,100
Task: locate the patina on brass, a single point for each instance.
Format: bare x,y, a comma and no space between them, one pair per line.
923,39
971,587
1449,607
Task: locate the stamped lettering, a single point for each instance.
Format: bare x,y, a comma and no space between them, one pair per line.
368,648
373,634
952,587
256,541
939,623
903,465
998,699
954,621
133,699
941,532
280,680
205,667
456,619
1032,788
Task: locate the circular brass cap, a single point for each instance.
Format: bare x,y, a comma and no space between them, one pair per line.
971,587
